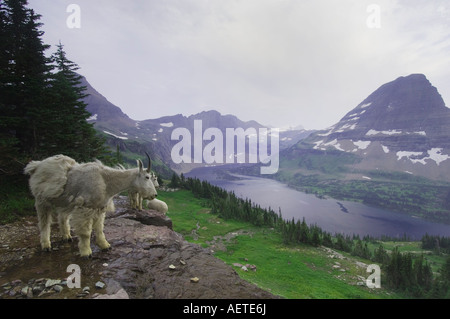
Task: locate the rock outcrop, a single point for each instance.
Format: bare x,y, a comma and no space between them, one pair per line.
147,260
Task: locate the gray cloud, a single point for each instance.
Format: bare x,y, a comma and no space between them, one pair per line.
280,62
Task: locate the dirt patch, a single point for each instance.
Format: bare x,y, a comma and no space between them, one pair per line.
219,243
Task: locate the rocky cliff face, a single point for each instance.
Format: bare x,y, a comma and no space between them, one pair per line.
148,260
404,125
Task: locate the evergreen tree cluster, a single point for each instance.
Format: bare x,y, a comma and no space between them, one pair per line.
439,244
409,273
405,272
41,108
226,204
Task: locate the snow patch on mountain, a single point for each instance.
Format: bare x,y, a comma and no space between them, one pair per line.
390,132
434,154
365,105
116,136
362,145
92,118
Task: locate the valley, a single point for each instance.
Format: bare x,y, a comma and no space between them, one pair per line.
396,191
293,271
390,151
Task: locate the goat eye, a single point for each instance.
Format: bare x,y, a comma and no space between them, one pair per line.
147,177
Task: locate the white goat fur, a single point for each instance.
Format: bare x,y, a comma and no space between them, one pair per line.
136,198
157,205
81,194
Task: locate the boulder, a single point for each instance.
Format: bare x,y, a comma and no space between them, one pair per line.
140,259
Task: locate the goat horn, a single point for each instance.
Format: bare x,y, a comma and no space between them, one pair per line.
149,162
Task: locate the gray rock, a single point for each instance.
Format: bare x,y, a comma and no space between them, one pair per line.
24,291
140,257
147,217
121,294
52,282
100,285
37,289
58,288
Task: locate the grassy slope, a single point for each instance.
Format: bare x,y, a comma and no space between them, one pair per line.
15,199
298,271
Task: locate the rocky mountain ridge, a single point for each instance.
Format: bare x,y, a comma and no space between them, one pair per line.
154,135
402,126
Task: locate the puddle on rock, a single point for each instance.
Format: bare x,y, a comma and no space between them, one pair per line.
32,270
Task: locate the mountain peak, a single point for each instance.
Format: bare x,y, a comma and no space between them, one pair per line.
405,118
408,102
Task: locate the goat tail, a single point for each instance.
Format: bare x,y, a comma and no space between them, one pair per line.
31,167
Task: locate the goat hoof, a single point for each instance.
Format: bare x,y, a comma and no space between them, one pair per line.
107,249
47,249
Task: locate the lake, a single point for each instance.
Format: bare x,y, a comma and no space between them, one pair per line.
335,216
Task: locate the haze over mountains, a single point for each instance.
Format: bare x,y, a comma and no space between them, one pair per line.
402,126
154,135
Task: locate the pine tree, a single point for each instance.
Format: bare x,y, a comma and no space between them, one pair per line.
175,182
380,255
70,132
315,237
24,76
304,232
445,271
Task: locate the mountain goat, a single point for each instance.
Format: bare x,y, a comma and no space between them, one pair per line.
136,198
158,205
155,204
81,193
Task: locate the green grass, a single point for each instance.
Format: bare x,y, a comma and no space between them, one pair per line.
15,199
189,213
294,272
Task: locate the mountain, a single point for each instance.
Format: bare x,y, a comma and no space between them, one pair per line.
154,135
105,114
402,126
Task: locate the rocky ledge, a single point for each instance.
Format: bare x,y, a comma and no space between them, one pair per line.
147,260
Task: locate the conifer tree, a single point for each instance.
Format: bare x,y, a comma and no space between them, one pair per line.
445,271
24,76
70,133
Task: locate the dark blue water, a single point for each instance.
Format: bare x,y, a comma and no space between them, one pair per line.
332,215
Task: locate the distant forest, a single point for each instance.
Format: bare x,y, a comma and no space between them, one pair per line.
405,272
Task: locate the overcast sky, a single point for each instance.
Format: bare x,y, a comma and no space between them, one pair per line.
279,62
